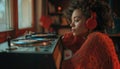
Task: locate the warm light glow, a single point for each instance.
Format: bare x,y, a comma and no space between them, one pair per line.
59,8
44,43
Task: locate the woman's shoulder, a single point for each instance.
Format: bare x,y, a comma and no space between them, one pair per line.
98,35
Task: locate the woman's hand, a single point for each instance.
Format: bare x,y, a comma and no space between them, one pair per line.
67,54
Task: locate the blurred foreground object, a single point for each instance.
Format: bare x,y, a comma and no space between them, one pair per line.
45,22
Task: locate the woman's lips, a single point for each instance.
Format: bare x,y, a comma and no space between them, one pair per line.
73,30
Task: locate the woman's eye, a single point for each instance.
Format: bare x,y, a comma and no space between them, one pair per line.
76,20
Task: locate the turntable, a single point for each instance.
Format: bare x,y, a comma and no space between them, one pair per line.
40,51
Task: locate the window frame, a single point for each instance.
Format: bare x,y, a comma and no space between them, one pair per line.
16,32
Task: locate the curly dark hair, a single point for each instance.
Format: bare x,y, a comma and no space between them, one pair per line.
102,9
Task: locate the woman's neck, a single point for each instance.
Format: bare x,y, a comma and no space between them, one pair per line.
84,35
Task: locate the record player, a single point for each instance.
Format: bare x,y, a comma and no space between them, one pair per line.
39,51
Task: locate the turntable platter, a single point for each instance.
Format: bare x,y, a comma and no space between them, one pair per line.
35,42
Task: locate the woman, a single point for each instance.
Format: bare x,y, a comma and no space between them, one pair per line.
89,21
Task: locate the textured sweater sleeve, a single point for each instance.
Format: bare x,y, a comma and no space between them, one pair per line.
72,42
96,53
67,39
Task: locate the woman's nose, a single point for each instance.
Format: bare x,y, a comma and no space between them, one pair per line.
72,24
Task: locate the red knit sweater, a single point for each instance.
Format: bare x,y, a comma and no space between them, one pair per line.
97,52
72,42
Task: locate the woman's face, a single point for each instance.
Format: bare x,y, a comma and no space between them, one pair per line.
78,23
